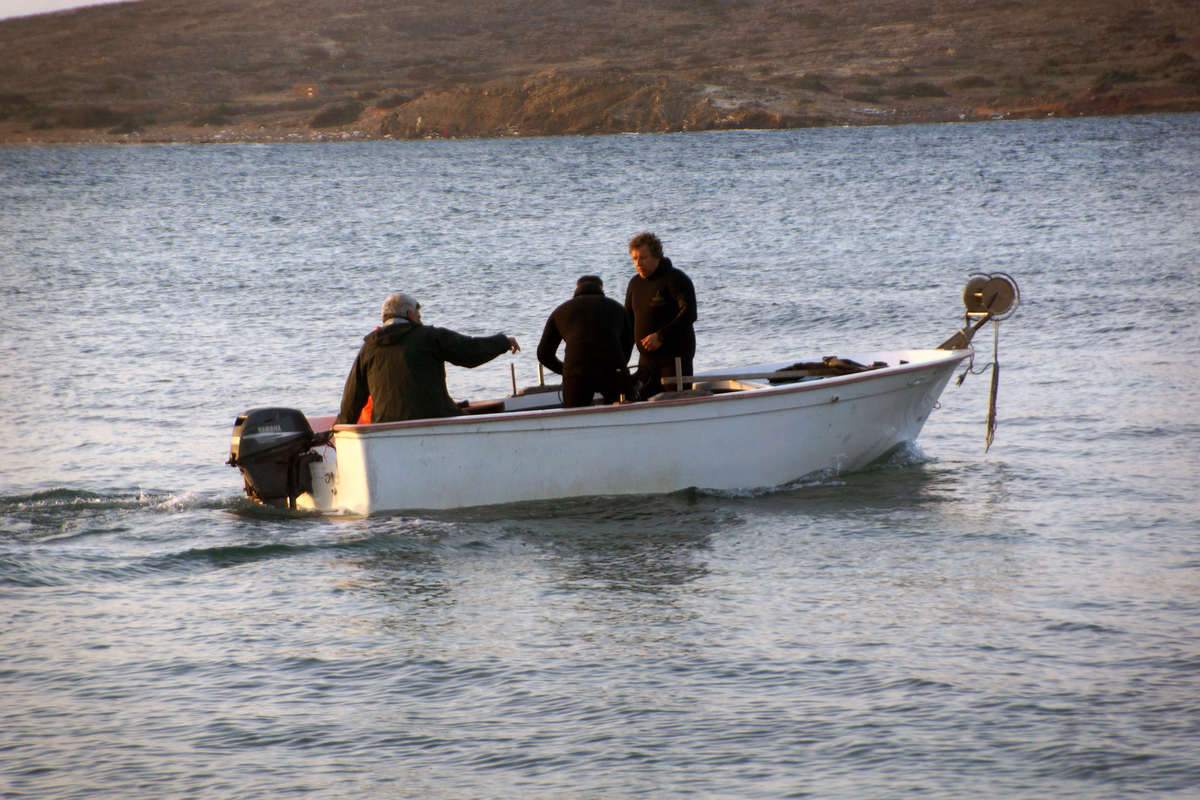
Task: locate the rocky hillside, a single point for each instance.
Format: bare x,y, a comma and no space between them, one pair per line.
271,70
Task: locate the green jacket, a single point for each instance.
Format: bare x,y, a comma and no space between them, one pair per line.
402,368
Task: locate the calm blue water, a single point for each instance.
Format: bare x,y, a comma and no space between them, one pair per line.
1020,623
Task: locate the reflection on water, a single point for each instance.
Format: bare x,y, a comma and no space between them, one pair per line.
606,553
636,544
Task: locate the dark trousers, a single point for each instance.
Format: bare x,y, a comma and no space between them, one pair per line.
655,377
578,389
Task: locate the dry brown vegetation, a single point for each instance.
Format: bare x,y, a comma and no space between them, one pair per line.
226,70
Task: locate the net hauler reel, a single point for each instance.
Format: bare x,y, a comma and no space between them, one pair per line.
273,449
988,298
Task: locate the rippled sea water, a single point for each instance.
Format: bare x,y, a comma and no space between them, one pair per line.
1023,622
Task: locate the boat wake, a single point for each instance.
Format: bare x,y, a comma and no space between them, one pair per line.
82,499
65,513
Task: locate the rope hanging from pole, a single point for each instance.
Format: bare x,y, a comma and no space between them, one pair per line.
991,417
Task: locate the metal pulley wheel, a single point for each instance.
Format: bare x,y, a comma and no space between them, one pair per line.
997,293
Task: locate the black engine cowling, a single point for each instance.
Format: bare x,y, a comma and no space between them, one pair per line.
273,449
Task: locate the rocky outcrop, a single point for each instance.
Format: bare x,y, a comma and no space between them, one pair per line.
555,104
305,70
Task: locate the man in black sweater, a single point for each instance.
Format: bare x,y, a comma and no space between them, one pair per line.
599,337
662,304
401,367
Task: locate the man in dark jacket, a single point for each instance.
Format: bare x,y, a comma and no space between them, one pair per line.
401,367
599,337
662,304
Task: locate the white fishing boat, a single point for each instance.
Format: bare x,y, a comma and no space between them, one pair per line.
745,426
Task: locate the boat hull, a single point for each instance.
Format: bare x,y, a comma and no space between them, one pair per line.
765,436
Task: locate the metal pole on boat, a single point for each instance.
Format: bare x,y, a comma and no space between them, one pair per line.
541,375
513,369
678,374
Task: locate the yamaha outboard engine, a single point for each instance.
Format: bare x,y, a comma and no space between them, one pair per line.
273,449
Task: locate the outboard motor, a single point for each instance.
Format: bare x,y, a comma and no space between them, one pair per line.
273,449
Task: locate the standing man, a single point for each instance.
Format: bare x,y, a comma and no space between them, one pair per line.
599,339
662,304
401,367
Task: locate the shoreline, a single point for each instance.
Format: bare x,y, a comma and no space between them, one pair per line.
257,133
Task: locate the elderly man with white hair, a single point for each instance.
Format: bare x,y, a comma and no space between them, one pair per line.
401,368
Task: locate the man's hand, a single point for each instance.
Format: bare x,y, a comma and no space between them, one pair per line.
652,342
513,347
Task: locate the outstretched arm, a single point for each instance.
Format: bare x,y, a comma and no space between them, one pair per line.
471,351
